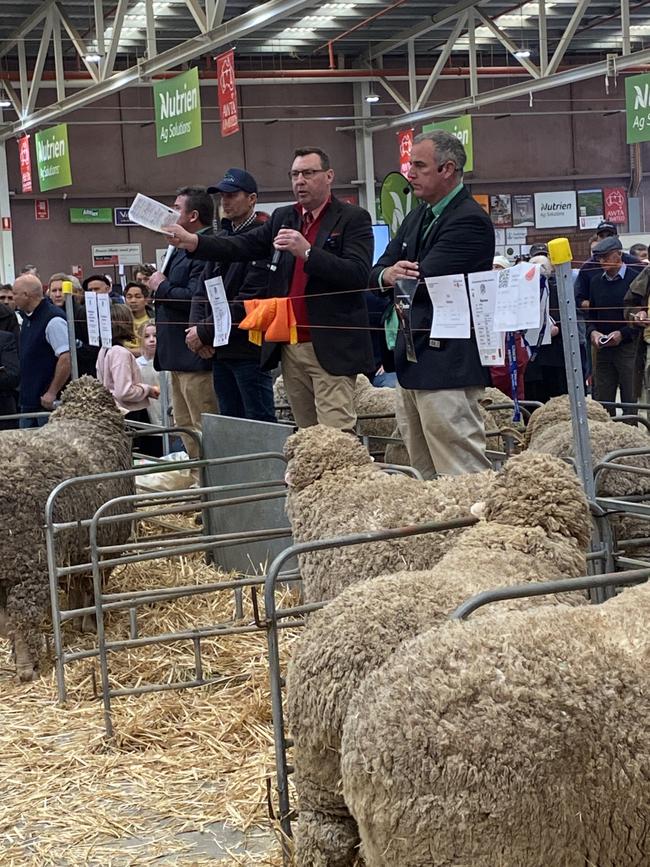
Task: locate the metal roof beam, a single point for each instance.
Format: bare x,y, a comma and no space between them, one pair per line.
567,36
108,63
423,27
197,14
512,91
79,44
43,49
248,22
508,44
26,27
441,61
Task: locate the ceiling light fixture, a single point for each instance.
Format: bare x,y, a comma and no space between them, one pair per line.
92,57
5,103
372,97
522,53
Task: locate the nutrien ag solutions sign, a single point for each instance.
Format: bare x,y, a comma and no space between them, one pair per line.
555,210
637,108
178,113
53,158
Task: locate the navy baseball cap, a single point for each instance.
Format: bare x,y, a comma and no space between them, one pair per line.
538,250
235,180
606,226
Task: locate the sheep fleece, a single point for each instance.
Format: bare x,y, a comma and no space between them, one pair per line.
519,740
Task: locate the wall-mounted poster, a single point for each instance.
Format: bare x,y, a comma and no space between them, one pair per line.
523,209
615,204
554,210
483,200
590,208
501,210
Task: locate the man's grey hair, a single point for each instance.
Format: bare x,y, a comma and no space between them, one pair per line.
446,146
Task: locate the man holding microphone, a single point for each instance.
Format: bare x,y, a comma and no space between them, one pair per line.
321,252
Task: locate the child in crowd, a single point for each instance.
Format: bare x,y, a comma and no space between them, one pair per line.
118,371
150,376
136,296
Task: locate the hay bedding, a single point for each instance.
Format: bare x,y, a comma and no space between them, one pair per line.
180,760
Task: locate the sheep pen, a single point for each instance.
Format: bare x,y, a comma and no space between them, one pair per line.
186,771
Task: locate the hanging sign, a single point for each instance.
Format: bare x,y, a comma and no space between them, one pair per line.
615,204
53,158
461,127
178,113
227,90
637,108
405,141
25,164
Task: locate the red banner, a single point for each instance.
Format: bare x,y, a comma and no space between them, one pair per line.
615,199
25,163
405,140
227,93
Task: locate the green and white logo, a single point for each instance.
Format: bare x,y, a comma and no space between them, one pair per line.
53,158
637,108
461,127
178,113
396,200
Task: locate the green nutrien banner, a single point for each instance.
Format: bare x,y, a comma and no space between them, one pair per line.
637,108
91,215
53,158
461,127
178,113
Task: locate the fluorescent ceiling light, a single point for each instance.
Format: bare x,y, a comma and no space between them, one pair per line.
92,57
5,103
372,97
522,53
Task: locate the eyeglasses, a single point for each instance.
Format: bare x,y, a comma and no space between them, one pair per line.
307,174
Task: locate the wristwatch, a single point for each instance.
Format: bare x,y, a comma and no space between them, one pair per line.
307,252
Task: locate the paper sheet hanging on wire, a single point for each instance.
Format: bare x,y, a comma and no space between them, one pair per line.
451,317
517,298
151,214
545,322
92,318
482,296
220,310
104,312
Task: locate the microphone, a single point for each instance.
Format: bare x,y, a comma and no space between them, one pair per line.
275,260
407,189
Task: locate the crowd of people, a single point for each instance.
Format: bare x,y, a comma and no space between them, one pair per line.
331,314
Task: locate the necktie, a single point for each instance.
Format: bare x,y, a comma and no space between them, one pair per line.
307,220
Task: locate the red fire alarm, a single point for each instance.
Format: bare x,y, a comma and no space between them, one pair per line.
6,224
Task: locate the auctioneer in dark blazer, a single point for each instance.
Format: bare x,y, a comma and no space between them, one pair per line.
337,271
461,241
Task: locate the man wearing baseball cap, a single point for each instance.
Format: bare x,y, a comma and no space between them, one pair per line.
243,389
614,342
591,267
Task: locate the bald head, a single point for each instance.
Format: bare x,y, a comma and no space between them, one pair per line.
28,292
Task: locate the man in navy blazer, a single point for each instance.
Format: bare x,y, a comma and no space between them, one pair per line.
321,251
438,396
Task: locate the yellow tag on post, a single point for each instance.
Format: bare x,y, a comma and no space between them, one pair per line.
66,287
559,251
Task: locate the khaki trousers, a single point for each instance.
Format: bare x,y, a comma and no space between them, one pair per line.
442,430
192,394
316,396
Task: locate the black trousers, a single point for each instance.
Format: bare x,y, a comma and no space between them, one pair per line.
616,368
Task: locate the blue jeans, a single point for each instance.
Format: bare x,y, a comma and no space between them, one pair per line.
24,423
243,390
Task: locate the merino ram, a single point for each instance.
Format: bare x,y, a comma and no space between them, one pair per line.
536,527
336,489
520,739
84,436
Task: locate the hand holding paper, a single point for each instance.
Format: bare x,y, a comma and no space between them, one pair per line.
151,214
181,238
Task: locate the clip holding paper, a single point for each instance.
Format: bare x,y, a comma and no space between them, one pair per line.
405,289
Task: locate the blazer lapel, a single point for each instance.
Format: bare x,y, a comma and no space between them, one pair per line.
330,219
435,229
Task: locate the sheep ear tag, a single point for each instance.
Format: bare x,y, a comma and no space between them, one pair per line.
405,289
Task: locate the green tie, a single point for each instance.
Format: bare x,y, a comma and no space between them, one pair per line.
427,222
